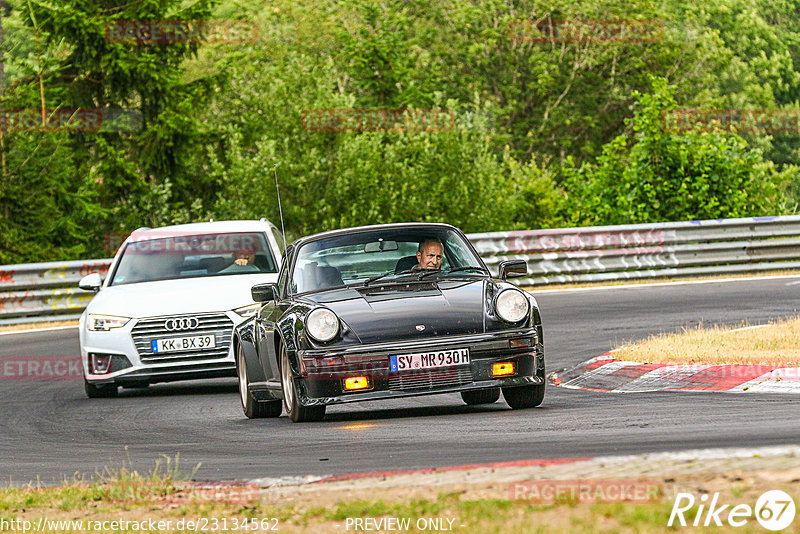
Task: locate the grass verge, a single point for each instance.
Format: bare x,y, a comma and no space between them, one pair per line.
161,504
776,343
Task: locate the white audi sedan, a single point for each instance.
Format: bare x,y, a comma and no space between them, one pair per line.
173,295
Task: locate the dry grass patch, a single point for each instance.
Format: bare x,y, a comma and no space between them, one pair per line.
776,343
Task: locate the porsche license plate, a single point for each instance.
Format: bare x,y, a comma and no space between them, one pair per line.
182,343
426,360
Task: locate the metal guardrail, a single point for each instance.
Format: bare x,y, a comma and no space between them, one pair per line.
637,251
45,291
48,291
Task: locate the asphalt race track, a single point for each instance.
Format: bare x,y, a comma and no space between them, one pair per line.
51,431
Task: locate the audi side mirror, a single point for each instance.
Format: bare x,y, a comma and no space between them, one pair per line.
513,269
91,282
264,292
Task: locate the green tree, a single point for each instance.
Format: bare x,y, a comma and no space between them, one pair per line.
659,175
130,171
333,179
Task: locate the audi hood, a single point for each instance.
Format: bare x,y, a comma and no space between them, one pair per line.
176,297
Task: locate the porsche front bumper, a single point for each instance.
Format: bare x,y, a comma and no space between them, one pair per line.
323,372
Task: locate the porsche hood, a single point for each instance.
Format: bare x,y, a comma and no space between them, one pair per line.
414,310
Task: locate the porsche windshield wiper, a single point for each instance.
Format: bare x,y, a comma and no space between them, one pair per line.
454,270
368,281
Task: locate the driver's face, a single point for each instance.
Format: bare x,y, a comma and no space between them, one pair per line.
431,255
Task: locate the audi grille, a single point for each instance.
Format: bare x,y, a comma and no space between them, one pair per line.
153,328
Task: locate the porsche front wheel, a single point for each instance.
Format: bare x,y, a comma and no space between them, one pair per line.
296,412
253,408
524,396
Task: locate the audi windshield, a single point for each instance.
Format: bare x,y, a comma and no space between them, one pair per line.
192,256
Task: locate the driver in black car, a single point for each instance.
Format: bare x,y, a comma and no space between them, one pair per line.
429,255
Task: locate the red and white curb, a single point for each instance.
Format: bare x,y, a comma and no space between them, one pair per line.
690,461
606,373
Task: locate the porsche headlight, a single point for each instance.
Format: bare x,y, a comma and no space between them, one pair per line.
247,311
512,306
104,323
322,324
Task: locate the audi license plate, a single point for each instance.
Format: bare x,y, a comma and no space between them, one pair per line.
426,360
182,343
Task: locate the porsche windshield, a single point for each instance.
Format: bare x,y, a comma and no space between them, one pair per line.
192,256
381,254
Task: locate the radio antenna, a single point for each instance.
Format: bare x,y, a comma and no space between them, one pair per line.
280,209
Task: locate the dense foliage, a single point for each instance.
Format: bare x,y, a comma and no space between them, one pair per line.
661,175
543,134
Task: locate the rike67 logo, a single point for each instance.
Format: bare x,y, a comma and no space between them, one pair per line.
774,510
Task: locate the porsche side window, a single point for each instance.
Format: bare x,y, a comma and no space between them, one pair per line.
276,234
456,254
284,272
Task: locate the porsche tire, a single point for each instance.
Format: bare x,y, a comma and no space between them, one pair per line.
522,397
252,407
480,396
291,403
104,391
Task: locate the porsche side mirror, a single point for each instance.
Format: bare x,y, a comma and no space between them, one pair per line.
264,292
91,282
513,269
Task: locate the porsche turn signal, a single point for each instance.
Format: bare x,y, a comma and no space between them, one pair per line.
356,382
503,369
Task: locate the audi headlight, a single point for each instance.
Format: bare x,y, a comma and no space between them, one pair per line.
512,306
322,324
104,323
248,311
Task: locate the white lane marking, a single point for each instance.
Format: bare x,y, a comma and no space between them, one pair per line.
536,291
706,454
747,328
32,330
793,283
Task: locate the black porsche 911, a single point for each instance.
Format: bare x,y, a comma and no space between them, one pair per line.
388,311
